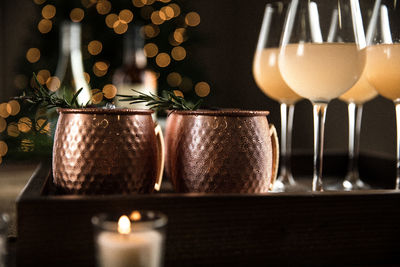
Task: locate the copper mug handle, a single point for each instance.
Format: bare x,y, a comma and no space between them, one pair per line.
275,154
161,156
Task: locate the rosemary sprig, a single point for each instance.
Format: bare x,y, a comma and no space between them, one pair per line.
169,102
42,98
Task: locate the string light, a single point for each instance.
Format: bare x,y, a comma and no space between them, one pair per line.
97,96
178,53
150,50
100,68
202,89
126,15
163,60
95,47
24,124
43,76
168,12
77,14
109,91
45,26
174,79
111,19
179,35
151,30
176,9
120,27
192,19
3,148
3,110
53,83
103,7
13,107
48,11
3,124
156,17
12,129
138,3
33,55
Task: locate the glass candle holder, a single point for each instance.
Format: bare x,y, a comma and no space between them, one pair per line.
135,239
4,220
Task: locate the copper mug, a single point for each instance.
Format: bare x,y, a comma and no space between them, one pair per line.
107,151
225,151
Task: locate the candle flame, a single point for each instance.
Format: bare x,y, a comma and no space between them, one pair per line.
124,225
135,216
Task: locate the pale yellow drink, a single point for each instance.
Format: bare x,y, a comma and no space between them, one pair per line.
361,92
383,69
321,72
269,79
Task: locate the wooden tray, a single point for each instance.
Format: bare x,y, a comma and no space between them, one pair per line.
276,229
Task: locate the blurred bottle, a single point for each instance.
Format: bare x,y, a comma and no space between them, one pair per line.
69,76
133,74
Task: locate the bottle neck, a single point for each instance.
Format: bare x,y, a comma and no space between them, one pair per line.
134,49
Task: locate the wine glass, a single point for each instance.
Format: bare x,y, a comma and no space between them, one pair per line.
383,68
360,93
322,56
269,80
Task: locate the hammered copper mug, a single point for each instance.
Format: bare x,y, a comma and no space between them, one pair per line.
225,151
107,151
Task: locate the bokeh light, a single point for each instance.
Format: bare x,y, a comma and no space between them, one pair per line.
180,35
53,83
176,8
95,47
12,129
87,77
109,91
45,26
178,53
24,124
100,68
174,79
178,93
3,148
192,19
151,30
138,3
3,124
150,50
77,14
202,89
103,7
120,27
42,76
163,60
165,1
3,110
39,2
43,125
157,17
33,55
48,11
13,107
27,145
97,96
168,12
126,15
111,19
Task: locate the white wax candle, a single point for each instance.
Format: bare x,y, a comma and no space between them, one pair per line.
142,249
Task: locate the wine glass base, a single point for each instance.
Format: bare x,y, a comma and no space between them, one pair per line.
288,185
351,182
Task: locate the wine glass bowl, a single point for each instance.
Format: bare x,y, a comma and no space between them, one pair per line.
322,56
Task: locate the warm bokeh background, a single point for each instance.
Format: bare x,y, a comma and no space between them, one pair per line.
228,35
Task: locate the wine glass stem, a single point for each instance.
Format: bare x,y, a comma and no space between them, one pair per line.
287,112
355,117
319,111
397,104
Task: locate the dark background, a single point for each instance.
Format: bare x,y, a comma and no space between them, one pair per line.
229,31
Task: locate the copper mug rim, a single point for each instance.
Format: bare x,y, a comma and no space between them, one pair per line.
221,112
116,111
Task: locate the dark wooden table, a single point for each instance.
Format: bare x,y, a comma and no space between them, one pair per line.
284,229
